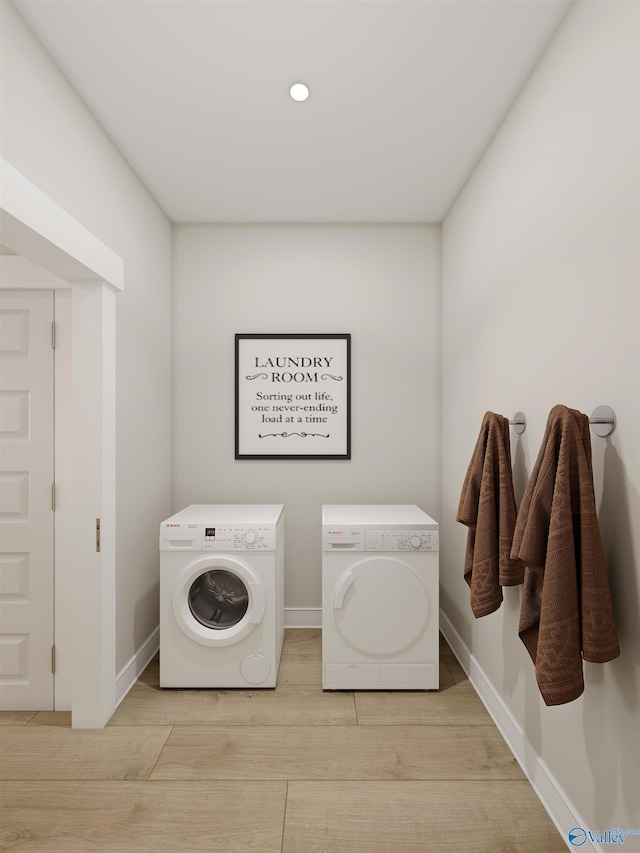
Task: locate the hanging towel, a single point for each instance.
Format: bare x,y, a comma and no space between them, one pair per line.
488,508
566,612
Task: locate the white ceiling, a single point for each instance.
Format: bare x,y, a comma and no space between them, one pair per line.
405,96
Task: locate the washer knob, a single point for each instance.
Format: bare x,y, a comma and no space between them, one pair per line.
250,538
416,541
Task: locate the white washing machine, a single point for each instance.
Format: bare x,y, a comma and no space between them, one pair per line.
221,596
380,615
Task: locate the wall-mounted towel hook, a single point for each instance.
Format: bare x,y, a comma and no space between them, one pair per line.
519,422
603,421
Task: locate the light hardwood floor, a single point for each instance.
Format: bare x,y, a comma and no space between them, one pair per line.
290,770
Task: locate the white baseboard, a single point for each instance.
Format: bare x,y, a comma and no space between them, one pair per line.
549,792
130,673
303,617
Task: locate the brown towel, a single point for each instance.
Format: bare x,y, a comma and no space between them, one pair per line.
488,508
566,604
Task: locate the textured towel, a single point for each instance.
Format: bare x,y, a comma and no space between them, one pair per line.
566,611
488,508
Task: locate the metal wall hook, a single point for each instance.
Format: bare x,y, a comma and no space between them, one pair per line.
519,422
603,421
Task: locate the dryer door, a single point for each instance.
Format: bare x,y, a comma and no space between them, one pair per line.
218,600
381,606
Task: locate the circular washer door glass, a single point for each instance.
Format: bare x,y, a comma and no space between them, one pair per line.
218,599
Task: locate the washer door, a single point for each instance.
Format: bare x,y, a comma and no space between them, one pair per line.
381,606
218,600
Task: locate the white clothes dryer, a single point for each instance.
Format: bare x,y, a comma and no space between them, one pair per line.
380,617
222,596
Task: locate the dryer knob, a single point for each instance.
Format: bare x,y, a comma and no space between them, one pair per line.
416,541
250,538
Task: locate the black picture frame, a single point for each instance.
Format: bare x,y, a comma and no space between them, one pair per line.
293,396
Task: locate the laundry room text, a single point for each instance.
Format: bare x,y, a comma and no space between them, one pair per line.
292,396
311,408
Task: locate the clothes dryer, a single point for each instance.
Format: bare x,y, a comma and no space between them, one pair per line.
222,596
380,617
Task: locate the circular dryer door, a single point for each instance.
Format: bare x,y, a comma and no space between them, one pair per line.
218,600
381,606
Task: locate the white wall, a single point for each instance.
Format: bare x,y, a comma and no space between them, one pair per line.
541,306
381,284
52,139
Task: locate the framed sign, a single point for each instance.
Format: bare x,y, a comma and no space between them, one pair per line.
293,396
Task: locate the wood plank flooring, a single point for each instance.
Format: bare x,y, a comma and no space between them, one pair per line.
291,770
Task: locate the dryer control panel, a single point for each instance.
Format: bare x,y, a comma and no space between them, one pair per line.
401,540
345,538
183,536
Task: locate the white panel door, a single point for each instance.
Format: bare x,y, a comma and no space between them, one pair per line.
26,514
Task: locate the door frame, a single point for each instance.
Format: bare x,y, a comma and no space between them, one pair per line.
86,276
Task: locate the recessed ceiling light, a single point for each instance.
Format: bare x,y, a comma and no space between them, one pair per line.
299,92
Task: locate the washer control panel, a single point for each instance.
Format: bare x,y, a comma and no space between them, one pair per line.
401,540
233,537
217,537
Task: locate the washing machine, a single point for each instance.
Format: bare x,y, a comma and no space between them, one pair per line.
221,596
380,577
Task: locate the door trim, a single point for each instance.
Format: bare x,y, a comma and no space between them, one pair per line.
35,227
